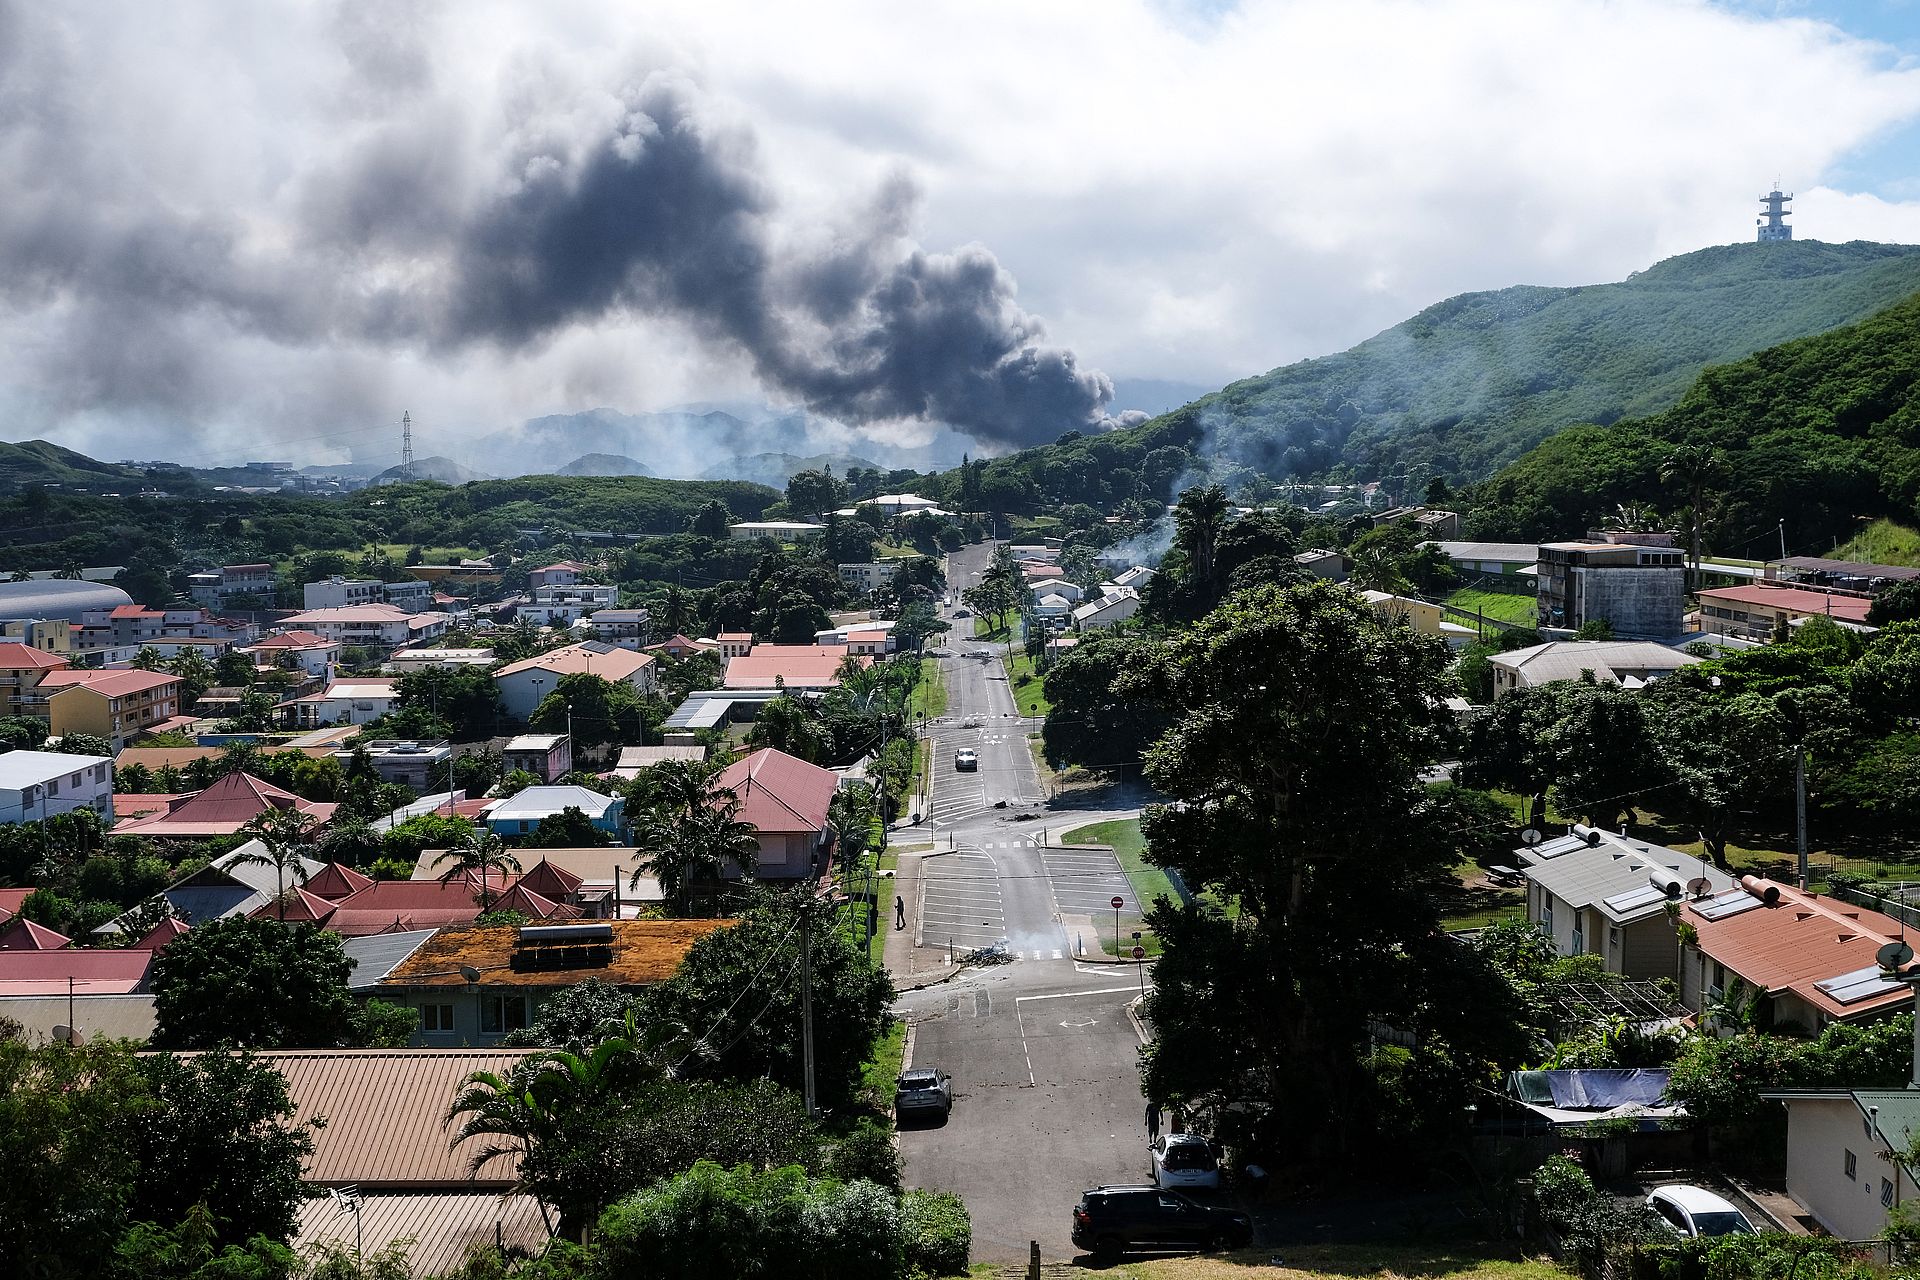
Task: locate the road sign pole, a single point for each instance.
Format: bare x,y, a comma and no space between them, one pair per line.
1118,902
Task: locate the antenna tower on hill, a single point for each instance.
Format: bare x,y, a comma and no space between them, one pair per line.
1773,226
406,445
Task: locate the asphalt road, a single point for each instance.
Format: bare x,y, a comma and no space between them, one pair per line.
1041,1049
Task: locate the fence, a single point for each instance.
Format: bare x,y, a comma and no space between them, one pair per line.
1898,908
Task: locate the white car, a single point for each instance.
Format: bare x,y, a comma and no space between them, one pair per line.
1184,1160
1695,1211
966,760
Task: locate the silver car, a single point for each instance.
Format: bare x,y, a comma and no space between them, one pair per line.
923,1091
1185,1160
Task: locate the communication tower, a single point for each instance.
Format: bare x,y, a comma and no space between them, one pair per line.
406,445
1774,225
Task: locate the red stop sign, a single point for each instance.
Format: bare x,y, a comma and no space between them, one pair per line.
1139,953
1119,903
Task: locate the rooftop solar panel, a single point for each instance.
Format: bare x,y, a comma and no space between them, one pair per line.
1861,984
1731,903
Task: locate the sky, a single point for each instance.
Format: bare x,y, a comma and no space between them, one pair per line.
237,231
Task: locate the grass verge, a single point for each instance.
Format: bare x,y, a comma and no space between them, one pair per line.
1130,848
929,697
1882,542
983,629
883,1068
1497,605
1029,693
1375,1262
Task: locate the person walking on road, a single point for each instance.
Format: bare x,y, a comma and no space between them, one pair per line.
899,912
1153,1121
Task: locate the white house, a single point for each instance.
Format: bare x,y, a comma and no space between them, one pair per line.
1108,610
778,530
1052,606
523,684
378,626
1136,577
521,813
1841,1145
562,606
872,575
302,650
348,700
627,628
40,784
1067,591
1596,893
1631,664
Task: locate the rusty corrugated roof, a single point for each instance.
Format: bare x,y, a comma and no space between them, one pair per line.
443,1226
383,1110
1799,941
644,952
779,792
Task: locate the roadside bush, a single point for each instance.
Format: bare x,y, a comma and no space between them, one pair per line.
711,1222
1589,1223
866,1153
937,1232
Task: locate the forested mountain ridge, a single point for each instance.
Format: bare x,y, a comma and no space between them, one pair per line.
1469,384
1817,432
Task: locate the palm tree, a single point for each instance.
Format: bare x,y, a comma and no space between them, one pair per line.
481,854
282,834
785,724
689,832
1197,522
1693,467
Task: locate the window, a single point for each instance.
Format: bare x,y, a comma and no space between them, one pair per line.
1852,1167
436,1017
504,1013
1886,1192
53,787
74,781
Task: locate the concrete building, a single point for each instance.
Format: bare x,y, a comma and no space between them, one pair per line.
785,800
1640,591
624,628
562,606
1755,611
130,626
404,660
22,668
870,576
1322,563
1432,522
408,763
219,589
565,573
776,530
1596,893
1630,664
348,700
337,592
115,705
1425,617
1107,610
1490,559
306,651
371,626
789,666
35,785
49,635
1844,1150
523,684
547,756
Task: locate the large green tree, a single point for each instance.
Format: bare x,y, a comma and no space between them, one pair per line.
1300,723
253,983
600,712
1090,721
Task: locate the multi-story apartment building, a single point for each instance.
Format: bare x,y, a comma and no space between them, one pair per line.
41,784
115,705
218,591
1640,591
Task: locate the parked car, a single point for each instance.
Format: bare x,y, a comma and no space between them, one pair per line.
966,760
1184,1160
923,1091
1109,1221
1695,1211
962,613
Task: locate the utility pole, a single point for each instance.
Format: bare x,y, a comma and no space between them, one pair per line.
806,1001
1800,809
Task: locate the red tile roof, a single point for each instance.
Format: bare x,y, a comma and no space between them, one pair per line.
294,640
114,684
334,881
15,656
161,934
107,971
309,908
616,664
798,666
222,809
779,793
134,611
10,900
550,881
533,906
395,906
1793,600
24,935
1798,941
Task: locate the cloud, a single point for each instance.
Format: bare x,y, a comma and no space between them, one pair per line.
233,234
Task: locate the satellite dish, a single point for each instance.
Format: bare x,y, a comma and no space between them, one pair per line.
66,1035
1895,955
1699,886
1530,837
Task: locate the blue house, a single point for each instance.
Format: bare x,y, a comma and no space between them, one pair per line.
519,815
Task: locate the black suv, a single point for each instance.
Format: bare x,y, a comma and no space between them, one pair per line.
1110,1220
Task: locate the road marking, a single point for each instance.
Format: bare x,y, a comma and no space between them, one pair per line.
1070,995
1076,1023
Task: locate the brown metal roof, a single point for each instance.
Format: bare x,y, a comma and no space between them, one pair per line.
443,1226
644,952
383,1109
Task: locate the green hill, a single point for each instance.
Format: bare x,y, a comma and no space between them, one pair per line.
1471,383
1823,433
36,462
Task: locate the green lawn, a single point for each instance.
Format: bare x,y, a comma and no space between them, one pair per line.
883,1068
1029,694
983,629
929,697
1497,605
1130,848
